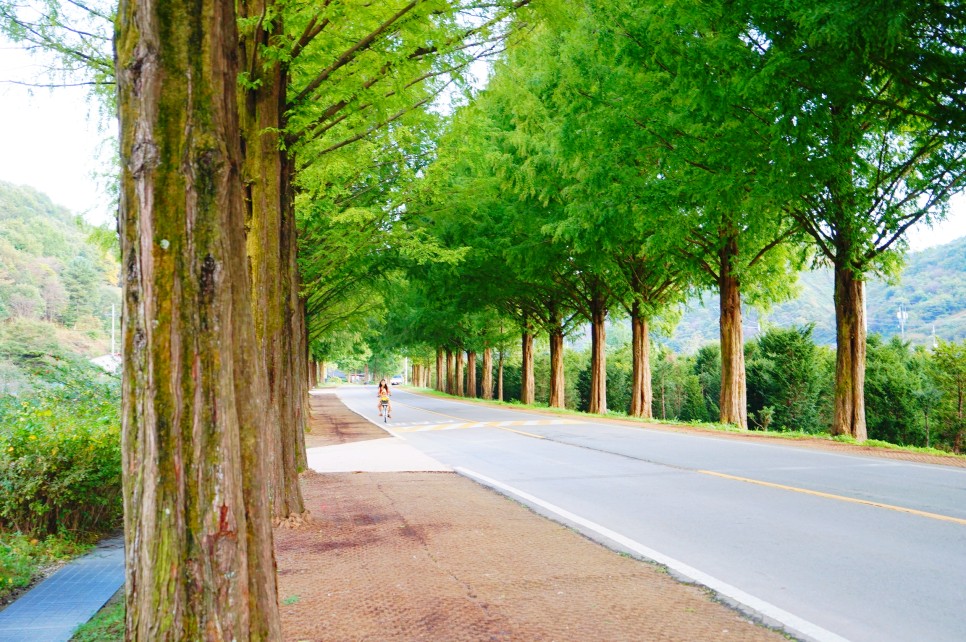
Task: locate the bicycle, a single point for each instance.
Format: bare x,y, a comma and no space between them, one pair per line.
384,406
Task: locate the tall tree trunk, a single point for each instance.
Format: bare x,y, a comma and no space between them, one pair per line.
499,378
598,359
199,560
450,373
641,393
487,383
471,374
293,438
557,380
459,373
313,375
733,403
527,382
663,399
271,248
439,370
849,418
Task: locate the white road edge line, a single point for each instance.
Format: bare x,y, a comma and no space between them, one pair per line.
793,623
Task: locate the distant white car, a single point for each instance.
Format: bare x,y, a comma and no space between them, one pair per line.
396,380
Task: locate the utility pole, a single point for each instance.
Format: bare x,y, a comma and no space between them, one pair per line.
902,315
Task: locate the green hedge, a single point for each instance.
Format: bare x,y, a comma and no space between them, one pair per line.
60,456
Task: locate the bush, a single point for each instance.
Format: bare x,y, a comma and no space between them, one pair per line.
784,374
60,456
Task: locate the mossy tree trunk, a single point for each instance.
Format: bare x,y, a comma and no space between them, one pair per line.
557,377
271,247
487,383
527,381
733,402
450,373
459,373
641,391
439,370
199,557
849,416
598,357
471,374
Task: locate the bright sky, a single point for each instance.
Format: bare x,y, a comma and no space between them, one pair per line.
51,140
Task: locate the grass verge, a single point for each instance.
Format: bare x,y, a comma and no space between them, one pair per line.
107,625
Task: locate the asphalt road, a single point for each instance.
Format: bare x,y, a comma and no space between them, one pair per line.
831,546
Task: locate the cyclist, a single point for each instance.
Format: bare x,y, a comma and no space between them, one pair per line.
383,398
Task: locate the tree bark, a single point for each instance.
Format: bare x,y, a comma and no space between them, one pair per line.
733,404
459,373
471,374
279,321
641,392
557,379
849,418
487,373
293,437
598,359
199,561
439,370
527,382
313,375
450,373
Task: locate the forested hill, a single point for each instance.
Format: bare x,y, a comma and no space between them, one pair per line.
58,280
931,289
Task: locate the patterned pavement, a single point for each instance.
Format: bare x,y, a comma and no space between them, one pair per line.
51,611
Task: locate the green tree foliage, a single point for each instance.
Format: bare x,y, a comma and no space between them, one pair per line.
895,380
56,287
785,376
949,374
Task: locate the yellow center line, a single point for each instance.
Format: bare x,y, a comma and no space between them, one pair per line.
441,414
520,432
842,498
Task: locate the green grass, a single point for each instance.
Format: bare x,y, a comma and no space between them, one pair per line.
106,626
22,558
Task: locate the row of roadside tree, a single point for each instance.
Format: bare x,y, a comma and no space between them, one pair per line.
625,156
914,395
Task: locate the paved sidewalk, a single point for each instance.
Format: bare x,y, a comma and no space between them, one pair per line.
51,611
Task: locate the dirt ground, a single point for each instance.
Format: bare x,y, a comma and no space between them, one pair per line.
434,556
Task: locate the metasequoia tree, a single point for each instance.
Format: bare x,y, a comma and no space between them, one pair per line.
864,103
198,533
662,71
318,80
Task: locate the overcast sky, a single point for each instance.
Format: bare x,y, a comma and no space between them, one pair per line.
51,140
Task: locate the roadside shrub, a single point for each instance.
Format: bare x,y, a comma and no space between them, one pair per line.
784,374
893,379
60,456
